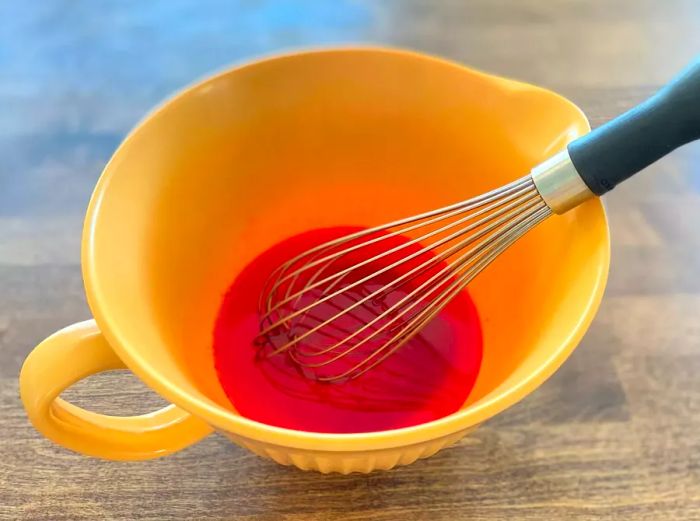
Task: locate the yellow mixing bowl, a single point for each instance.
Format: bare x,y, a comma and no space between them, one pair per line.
218,173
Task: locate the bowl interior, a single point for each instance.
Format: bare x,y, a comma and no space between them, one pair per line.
354,137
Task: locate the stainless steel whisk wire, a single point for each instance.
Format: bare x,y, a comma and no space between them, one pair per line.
498,217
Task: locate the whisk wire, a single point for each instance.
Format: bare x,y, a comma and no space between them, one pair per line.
331,315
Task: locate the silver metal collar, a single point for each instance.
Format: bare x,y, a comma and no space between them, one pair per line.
559,184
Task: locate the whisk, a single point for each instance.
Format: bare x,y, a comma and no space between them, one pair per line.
341,308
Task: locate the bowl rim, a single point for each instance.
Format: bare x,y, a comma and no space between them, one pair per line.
226,420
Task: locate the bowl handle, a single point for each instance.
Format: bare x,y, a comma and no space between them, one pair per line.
77,352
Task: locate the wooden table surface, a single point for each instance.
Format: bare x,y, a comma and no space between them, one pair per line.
613,435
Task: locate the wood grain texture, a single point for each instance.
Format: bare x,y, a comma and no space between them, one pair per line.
613,435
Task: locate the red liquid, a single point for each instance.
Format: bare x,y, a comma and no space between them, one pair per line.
429,377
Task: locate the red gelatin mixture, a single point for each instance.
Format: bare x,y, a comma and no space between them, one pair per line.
429,377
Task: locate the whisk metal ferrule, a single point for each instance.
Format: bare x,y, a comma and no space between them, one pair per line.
559,183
